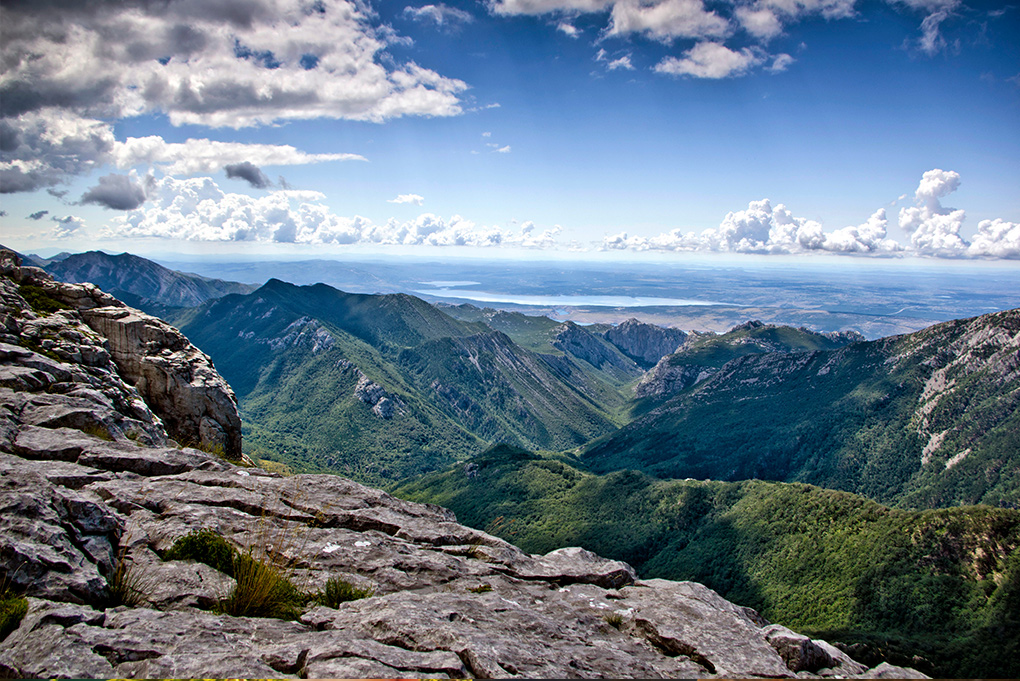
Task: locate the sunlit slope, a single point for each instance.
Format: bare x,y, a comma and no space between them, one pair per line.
504,393
140,282
926,419
943,584
382,387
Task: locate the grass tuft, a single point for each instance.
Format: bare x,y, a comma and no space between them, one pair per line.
339,591
613,619
262,590
13,609
39,299
129,585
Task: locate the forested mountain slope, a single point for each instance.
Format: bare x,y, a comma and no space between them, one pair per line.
382,387
922,420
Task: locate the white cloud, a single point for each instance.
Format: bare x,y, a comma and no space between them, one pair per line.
934,229
48,147
760,22
207,156
621,63
667,19
486,134
408,198
869,237
569,29
996,238
535,7
710,60
781,63
761,228
503,150
66,226
440,14
196,209
214,64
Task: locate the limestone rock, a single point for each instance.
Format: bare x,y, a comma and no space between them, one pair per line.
574,340
174,377
645,343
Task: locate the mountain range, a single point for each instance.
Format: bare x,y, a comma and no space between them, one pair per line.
140,282
867,489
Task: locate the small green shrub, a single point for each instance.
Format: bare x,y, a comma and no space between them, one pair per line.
204,546
39,300
480,589
339,591
262,590
12,609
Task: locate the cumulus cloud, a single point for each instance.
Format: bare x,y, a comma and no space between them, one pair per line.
408,198
781,63
249,172
502,150
760,22
763,228
870,237
768,229
710,60
66,226
38,215
666,19
440,14
197,209
48,147
934,229
44,148
996,238
118,192
219,64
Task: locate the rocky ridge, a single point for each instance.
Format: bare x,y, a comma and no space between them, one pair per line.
701,355
146,282
449,601
645,343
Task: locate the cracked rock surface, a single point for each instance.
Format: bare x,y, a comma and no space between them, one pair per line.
89,477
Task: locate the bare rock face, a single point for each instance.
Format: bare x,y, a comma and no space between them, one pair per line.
88,484
669,377
153,373
645,343
174,377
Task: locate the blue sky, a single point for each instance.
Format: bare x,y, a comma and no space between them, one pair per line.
513,126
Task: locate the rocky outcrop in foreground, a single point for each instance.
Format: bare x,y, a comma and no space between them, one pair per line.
82,508
153,361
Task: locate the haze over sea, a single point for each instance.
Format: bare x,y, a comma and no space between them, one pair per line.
875,297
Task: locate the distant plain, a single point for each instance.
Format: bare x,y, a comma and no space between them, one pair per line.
875,297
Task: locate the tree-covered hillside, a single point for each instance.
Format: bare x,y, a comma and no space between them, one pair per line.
942,584
384,387
923,420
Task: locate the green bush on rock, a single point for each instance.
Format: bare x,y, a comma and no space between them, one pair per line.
205,546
